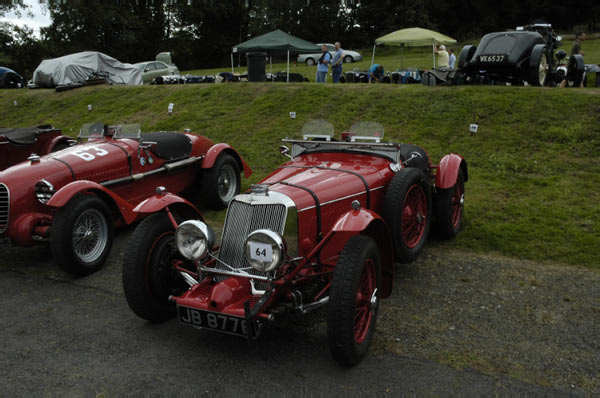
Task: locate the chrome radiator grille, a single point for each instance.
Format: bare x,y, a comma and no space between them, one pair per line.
243,218
4,207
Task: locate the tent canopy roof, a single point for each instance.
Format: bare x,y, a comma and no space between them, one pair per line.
276,41
414,37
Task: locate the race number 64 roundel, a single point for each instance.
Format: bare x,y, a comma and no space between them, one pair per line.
261,252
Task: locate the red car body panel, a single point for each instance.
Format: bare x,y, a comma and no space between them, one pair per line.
12,153
448,171
111,168
214,152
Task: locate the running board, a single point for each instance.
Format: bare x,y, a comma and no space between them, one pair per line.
165,168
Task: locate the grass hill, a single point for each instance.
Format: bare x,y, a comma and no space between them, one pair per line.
534,164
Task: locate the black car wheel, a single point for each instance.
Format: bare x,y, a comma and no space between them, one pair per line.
449,208
348,59
221,182
81,235
465,56
576,70
353,301
537,73
148,276
310,61
407,212
10,80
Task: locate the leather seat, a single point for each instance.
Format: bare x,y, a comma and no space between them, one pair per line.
170,146
23,135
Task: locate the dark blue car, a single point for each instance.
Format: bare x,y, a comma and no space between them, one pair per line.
10,79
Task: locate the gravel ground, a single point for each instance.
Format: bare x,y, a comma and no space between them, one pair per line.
456,324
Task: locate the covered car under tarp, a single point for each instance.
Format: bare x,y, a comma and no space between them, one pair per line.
79,67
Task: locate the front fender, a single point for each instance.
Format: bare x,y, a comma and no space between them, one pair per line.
213,153
447,172
64,195
159,202
369,223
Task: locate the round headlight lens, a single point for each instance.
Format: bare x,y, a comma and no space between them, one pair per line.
44,191
264,250
194,239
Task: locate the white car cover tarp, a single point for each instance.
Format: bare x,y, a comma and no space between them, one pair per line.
76,68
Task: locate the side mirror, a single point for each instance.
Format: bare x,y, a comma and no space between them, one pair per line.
285,151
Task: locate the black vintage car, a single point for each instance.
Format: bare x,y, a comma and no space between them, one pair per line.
526,54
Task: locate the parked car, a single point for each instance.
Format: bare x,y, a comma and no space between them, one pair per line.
162,66
322,230
16,144
524,55
73,198
311,59
10,79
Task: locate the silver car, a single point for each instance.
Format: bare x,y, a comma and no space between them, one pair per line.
153,69
311,59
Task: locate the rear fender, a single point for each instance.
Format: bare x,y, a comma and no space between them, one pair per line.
369,223
175,203
66,193
447,172
50,145
214,152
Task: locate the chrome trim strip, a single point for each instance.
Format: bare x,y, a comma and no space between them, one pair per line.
230,273
340,199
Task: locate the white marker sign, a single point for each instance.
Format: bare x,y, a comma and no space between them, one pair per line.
170,108
473,128
261,252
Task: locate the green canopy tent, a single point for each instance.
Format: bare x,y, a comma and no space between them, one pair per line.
275,42
412,37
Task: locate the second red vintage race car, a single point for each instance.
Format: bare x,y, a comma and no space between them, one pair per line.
16,144
321,230
73,198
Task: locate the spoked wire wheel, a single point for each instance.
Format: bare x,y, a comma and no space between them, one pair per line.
90,235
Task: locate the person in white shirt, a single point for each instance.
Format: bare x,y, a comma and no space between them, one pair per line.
443,58
452,59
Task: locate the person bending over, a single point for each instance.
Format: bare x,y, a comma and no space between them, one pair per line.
376,73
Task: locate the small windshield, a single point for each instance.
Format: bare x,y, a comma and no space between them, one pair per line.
98,130
127,131
366,131
318,128
91,130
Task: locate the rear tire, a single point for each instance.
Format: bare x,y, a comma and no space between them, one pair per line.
348,59
353,301
407,212
576,70
10,80
221,183
537,73
309,62
465,56
81,235
449,208
148,279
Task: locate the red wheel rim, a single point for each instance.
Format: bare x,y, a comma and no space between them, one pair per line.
414,216
457,204
363,313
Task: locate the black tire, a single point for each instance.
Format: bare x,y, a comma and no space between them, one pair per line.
449,208
148,278
217,190
408,218
537,72
10,80
349,337
348,59
465,56
310,61
576,70
90,218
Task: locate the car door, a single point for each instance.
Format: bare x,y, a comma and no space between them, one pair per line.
161,69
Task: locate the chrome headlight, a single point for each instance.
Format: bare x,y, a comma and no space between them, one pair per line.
44,191
194,239
264,250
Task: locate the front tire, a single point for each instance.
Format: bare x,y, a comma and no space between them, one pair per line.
353,301
538,66
148,278
221,183
576,70
348,59
407,212
309,62
449,208
81,235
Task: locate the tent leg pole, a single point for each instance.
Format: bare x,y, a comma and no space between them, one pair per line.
372,61
433,52
270,64
232,72
288,66
401,49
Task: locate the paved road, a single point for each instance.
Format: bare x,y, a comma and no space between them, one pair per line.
66,336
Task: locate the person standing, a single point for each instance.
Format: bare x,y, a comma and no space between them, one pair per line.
452,59
336,63
323,67
443,57
576,49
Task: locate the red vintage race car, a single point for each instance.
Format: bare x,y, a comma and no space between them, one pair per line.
75,197
16,144
321,230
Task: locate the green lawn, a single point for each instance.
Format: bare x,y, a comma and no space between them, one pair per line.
534,165
389,57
